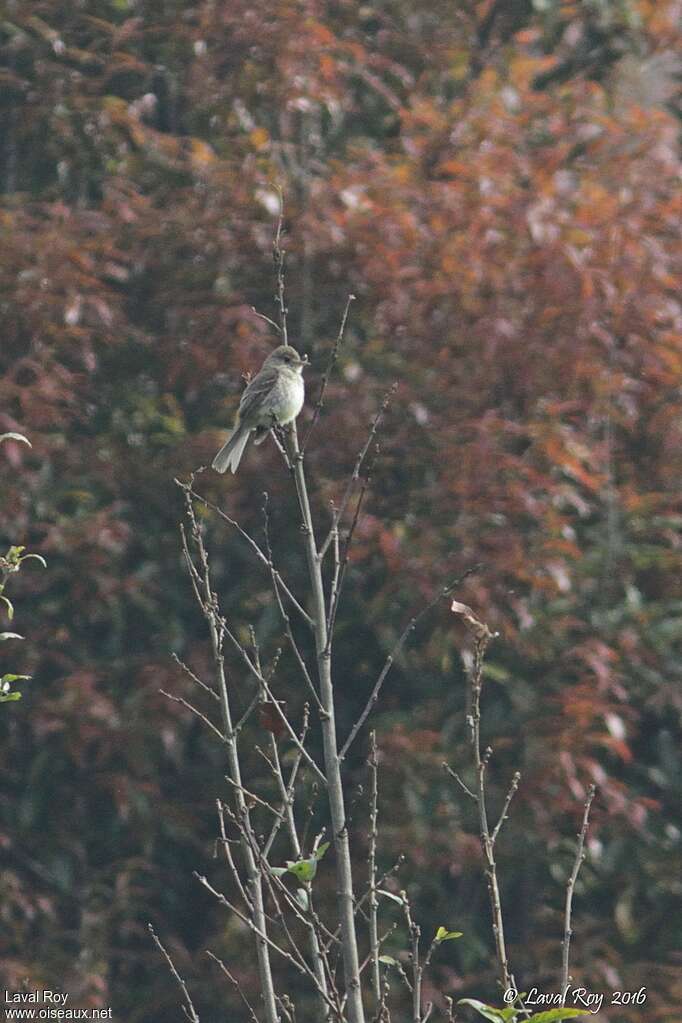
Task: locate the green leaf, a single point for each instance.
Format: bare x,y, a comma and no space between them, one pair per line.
550,1015
10,608
443,934
9,635
390,895
8,697
15,436
322,850
388,960
304,870
489,1011
13,678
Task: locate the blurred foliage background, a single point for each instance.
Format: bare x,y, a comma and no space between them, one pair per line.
498,184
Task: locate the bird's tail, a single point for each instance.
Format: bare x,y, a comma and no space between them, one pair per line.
232,450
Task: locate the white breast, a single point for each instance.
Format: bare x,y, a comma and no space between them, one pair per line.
290,397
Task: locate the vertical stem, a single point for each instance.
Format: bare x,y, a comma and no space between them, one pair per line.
255,886
481,762
209,605
332,763
317,955
417,970
373,901
570,887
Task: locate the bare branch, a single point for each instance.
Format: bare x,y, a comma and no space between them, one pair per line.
247,714
261,935
570,888
327,373
252,544
292,734
355,475
394,653
251,796
462,784
285,617
373,763
341,562
188,1006
289,791
417,969
482,636
195,678
510,795
279,257
217,629
262,316
344,874
228,855
202,717
235,982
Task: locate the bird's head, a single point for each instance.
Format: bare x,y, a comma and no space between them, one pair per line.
287,356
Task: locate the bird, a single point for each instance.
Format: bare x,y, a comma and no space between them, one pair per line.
273,398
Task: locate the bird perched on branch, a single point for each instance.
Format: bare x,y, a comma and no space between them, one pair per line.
273,398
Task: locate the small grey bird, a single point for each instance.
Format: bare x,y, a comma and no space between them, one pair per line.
274,397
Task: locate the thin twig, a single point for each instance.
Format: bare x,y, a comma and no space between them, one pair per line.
261,935
247,714
202,717
279,256
292,734
482,636
233,980
505,809
417,970
384,937
262,316
283,614
189,1009
373,763
195,678
460,782
355,475
341,561
291,784
570,888
327,373
374,695
225,842
248,795
382,880
252,544
208,602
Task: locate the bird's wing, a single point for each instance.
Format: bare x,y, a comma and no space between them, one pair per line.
255,395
